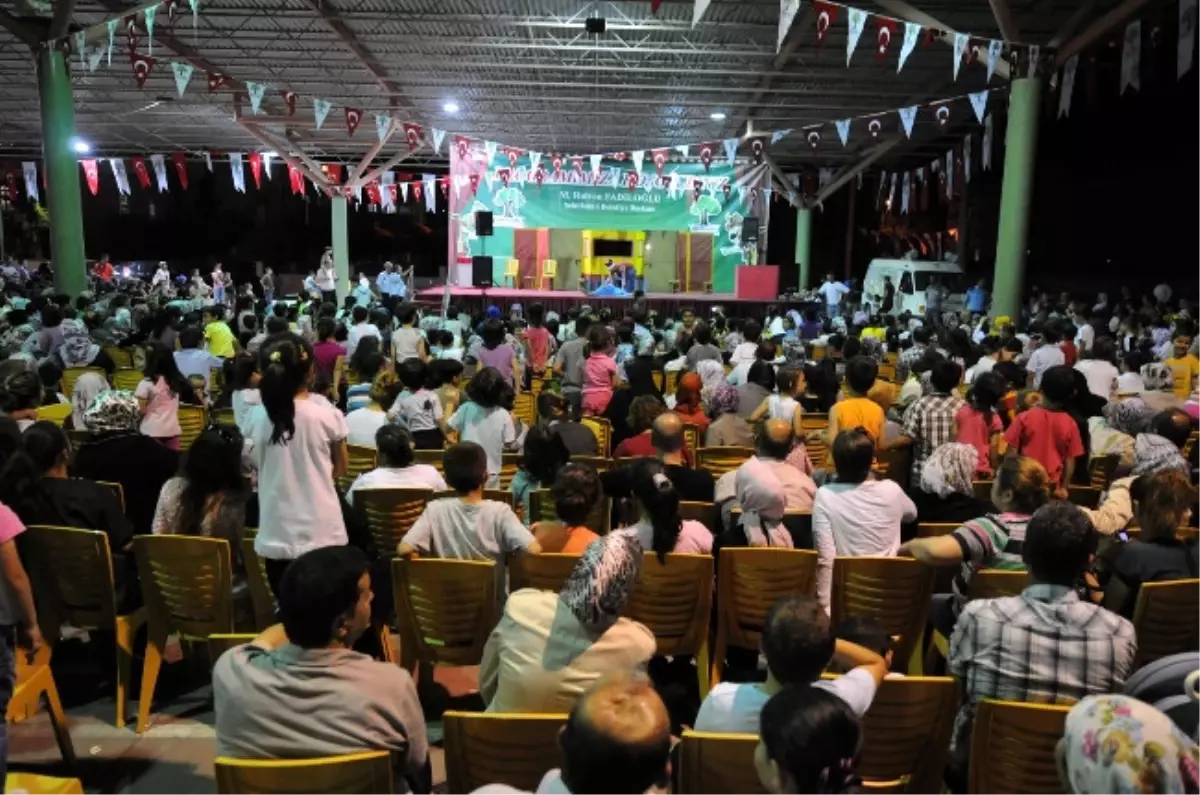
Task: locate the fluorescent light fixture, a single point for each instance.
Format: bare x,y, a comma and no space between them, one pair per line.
450,106
717,115
80,146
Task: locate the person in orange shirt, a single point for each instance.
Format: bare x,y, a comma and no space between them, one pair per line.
103,270
576,491
856,409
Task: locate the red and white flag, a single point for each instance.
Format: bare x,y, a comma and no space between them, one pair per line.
353,117
826,15
180,162
289,97
886,29
143,173
142,64
706,155
91,171
660,159
412,134
462,145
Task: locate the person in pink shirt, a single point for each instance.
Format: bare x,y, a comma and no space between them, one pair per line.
978,420
538,342
659,528
1047,433
599,372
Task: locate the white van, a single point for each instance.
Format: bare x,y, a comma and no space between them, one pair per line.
910,277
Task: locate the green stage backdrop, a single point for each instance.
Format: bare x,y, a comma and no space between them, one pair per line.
553,192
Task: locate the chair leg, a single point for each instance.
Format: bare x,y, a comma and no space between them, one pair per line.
126,629
58,722
720,649
702,670
154,657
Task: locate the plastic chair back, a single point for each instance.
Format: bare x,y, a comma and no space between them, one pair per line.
546,572
1165,618
894,591
602,430
692,438
1084,496
219,644
121,357
509,464
359,460
366,772
598,463
445,609
433,458
1101,469
674,600
261,599
524,408
704,512
500,748
73,577
56,413
995,583
192,420
1012,747
720,460
717,763
126,379
599,519
224,417
187,584
117,489
71,375
906,732
935,529
390,514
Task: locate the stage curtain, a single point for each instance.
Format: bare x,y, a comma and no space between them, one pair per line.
525,250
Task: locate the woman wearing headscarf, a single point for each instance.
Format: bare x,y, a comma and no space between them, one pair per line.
1159,380
87,387
712,375
1114,743
688,404
1113,432
946,492
548,648
727,428
78,350
762,501
118,453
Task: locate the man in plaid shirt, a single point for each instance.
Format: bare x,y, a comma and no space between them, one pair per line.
909,357
1045,646
929,421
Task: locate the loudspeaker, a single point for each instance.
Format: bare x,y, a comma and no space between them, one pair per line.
595,26
481,270
749,230
483,223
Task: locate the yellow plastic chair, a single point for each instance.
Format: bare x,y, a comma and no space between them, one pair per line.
671,382
524,408
814,421
1165,618
117,489
71,375
56,413
719,460
657,377
602,430
546,572
935,529
895,464
512,268
541,509
126,379
1101,469
500,748
887,371
1012,747
219,644
359,460
192,420
72,572
509,464
187,584
894,591
749,581
121,357
36,784
445,609
717,763
703,512
224,417
995,583
34,687
598,463
674,601
549,273
692,438
390,514
906,733
261,599
366,772
1190,445
433,458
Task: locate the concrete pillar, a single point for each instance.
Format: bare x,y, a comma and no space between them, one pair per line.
804,244
341,246
1020,151
63,197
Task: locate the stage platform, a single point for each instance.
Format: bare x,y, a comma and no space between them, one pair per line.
559,300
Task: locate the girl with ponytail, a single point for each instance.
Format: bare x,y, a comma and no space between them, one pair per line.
659,528
299,448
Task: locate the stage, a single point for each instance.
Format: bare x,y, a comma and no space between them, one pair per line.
561,300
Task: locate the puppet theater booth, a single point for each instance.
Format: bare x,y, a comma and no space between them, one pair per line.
524,225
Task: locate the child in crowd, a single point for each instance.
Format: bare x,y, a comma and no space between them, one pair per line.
241,382
397,468
785,405
867,632
218,337
419,407
856,409
158,396
979,423
576,491
544,454
484,420
1047,433
447,375
599,372
1130,382
538,342
809,741
407,342
366,363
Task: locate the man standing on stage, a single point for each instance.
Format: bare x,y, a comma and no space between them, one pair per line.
391,286
218,283
326,277
162,280
832,291
103,270
268,285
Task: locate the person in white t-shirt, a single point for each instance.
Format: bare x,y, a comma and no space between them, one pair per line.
326,278
484,420
799,646
419,406
832,292
1100,369
1045,356
299,449
396,469
360,330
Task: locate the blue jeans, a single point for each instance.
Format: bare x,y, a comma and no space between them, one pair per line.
8,675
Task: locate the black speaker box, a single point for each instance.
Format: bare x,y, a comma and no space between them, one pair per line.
749,230
481,270
483,223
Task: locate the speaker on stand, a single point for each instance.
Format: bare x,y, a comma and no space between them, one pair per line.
481,266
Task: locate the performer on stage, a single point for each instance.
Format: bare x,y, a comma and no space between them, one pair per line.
327,277
218,284
268,285
161,283
199,288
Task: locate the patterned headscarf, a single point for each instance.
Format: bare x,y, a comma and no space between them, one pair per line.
600,584
1158,377
1127,416
871,348
114,410
724,400
87,387
712,375
1119,744
950,469
77,349
1154,453
763,503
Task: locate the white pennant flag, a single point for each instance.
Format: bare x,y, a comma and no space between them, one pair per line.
1035,55
403,185
383,123
985,156
438,136
534,159
148,14
905,187
682,149
320,110
256,91
266,163
459,181
183,75
429,191
489,148
386,180
779,135
907,117
118,170
235,169
160,171
29,168
824,176
843,129
1131,57
787,13
912,32
891,191
596,164
698,10
731,145
94,58
81,47
879,193
638,155
489,176
112,32
960,47
979,103
856,19
967,159
1068,86
995,48
950,174
208,161
1187,37
672,185
194,5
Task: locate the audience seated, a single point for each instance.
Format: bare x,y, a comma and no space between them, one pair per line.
1047,432
947,491
867,632
668,446
628,420
576,491
1045,646
930,421
87,387
659,528
728,428
798,646
396,469
856,410
1114,432
757,386
642,412
544,455
688,404
809,740
484,420
363,423
617,740
267,692
548,648
553,413
856,515
762,500
774,442
418,406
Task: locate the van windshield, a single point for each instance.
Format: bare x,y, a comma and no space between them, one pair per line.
954,282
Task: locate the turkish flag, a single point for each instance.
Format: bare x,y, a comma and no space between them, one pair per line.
504,175
826,14
631,180
296,179
463,145
180,167
217,80
412,134
353,117
373,194
334,172
660,159
539,176
444,184
756,147
256,168
142,64
290,98
725,190
92,173
474,180
706,155
416,191
143,174
886,29
697,188
513,154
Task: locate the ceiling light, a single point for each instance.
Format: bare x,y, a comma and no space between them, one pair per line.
450,107
80,146
717,115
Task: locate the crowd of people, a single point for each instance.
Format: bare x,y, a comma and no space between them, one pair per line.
1028,403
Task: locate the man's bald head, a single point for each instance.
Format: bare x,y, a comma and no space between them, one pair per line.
1172,424
775,439
617,738
666,432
